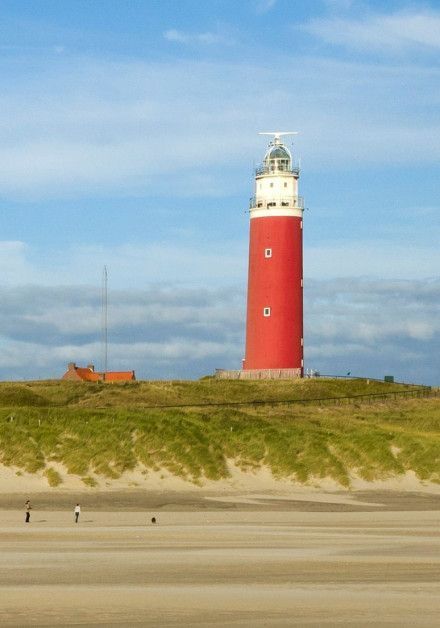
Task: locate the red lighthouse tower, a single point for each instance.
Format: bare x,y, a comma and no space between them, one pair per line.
274,328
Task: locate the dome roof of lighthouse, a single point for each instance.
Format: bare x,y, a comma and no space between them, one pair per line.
278,152
278,158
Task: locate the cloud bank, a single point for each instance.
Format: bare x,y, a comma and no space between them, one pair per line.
375,326
363,326
160,332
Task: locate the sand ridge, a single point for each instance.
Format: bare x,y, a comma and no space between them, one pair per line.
13,480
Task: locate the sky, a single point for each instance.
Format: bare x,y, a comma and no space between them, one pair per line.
128,138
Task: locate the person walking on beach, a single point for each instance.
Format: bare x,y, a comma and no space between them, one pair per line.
28,509
77,511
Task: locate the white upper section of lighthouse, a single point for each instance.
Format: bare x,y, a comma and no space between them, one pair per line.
276,182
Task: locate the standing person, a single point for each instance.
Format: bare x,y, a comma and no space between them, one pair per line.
28,509
77,512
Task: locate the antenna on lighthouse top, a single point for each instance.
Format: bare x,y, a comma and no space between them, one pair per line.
277,135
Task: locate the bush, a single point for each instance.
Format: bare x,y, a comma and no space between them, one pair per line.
53,477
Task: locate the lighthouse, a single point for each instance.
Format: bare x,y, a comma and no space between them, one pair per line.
274,325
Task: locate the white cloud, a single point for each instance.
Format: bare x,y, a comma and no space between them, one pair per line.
371,258
264,6
129,265
158,332
183,263
14,263
339,5
88,127
374,326
207,38
395,32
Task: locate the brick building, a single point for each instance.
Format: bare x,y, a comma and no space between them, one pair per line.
76,373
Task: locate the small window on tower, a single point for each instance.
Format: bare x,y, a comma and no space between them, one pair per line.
266,311
271,185
285,184
267,252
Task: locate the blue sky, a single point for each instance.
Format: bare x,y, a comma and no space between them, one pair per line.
128,135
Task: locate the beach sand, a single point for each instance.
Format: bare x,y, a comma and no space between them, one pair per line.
226,559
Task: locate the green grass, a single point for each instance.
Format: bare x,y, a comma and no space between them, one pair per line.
140,394
102,431
88,481
53,477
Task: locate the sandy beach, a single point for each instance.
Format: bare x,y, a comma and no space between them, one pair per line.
250,559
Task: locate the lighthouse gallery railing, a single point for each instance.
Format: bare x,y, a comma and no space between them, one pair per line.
268,203
272,169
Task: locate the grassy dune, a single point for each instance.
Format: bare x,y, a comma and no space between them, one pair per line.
100,431
137,394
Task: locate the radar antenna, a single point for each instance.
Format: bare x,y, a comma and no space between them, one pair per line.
277,135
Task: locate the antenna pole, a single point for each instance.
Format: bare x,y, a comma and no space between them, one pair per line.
277,135
104,321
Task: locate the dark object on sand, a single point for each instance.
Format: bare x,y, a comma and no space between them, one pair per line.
28,509
153,519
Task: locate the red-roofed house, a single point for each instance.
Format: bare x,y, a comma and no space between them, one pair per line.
119,376
88,374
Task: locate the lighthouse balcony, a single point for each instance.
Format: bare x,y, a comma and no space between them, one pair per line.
276,169
296,202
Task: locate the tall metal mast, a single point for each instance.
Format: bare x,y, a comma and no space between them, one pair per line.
104,321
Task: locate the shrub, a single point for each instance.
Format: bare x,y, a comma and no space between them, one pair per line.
53,477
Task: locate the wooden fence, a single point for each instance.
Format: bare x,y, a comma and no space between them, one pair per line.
412,393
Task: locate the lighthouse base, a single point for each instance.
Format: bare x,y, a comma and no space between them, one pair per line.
259,374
